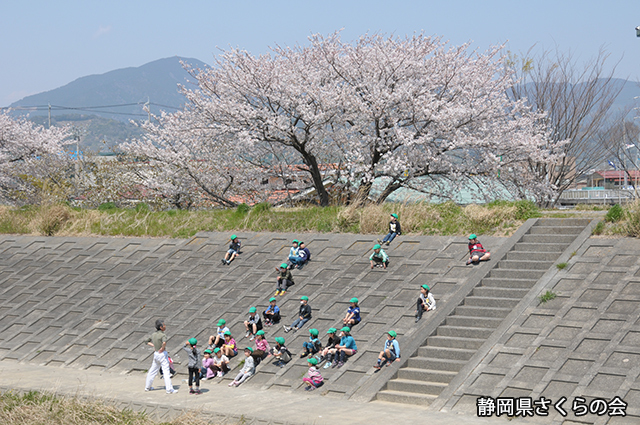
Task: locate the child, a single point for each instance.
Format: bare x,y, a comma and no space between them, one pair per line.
330,349
233,252
195,358
390,352
293,254
313,345
284,280
303,255
247,370
313,378
229,348
425,302
477,252
272,313
346,348
281,353
220,364
304,315
253,324
262,347
218,339
352,317
394,230
206,372
379,258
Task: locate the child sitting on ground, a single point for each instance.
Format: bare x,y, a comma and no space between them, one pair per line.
303,255
234,250
220,364
206,372
394,230
247,370
425,302
218,339
313,345
293,254
281,352
477,252
272,313
253,324
330,349
313,378
229,348
262,347
379,258
284,279
391,351
352,317
347,347
304,315
195,358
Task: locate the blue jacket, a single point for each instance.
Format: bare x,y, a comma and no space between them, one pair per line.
348,342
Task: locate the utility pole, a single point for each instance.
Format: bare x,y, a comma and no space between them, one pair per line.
49,115
148,110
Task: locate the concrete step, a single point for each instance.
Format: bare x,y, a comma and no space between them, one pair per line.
430,363
562,222
516,274
467,310
553,238
427,375
455,342
532,256
406,398
558,230
473,322
540,247
525,264
491,302
497,282
416,387
464,332
487,292
445,353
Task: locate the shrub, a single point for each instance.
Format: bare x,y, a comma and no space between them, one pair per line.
614,214
107,206
261,207
526,210
50,220
243,208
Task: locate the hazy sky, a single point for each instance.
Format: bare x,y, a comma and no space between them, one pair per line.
46,44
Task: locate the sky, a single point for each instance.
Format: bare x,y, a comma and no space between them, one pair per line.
47,44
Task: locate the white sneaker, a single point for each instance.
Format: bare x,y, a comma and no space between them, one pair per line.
220,374
172,391
149,389
327,365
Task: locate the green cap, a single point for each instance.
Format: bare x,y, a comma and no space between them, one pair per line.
283,266
313,332
193,341
377,246
394,215
222,322
294,241
272,299
249,349
304,298
472,236
426,287
312,361
216,350
392,333
227,333
332,330
252,310
207,351
233,237
280,340
346,329
354,300
260,332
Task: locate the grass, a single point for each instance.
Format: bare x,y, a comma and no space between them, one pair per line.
547,296
35,408
498,218
562,266
620,221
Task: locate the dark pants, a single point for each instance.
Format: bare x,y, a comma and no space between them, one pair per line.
378,260
420,308
194,375
283,284
275,318
222,368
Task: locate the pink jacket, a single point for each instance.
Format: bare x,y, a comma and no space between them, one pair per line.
208,363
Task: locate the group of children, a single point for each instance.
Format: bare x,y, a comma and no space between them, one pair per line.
214,361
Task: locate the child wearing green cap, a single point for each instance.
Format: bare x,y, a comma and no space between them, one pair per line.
352,317
281,352
293,254
234,250
253,324
195,358
220,363
313,345
272,313
229,348
284,279
329,350
304,315
247,370
346,348
314,378
379,258
390,352
394,230
218,339
426,302
207,361
262,347
477,252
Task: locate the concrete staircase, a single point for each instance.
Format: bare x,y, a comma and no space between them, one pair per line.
464,331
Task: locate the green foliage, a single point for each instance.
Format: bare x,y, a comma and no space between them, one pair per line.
547,296
562,266
261,207
243,208
526,210
107,206
614,214
598,229
142,207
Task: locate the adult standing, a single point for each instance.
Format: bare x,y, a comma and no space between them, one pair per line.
158,340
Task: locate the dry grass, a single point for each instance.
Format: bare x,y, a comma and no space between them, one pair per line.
34,408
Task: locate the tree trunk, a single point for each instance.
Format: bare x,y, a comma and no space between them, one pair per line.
391,187
311,162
